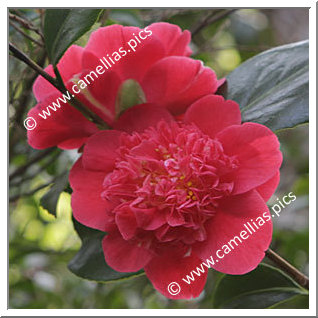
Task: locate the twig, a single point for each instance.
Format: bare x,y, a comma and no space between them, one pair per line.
22,57
37,158
25,194
27,85
293,272
210,19
74,102
51,160
17,129
25,34
26,24
247,48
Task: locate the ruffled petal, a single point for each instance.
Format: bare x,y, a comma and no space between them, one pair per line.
140,117
131,59
148,219
126,222
212,114
267,189
235,243
166,273
173,39
97,91
177,82
87,205
65,127
70,64
257,149
124,256
100,151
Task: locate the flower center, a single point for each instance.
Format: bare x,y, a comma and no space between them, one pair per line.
175,169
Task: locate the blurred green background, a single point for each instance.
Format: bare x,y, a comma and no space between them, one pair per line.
41,245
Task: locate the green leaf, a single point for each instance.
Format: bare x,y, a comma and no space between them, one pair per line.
126,17
50,199
130,94
272,87
296,302
89,262
62,27
261,288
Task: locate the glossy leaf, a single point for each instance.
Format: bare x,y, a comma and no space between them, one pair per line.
263,287
50,199
62,27
272,87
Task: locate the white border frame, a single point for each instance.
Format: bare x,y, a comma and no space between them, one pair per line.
312,162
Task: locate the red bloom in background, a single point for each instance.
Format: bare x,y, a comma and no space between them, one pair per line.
170,195
159,64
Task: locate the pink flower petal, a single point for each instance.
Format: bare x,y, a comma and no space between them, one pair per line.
87,204
100,93
167,270
173,39
257,149
122,255
132,61
70,64
140,117
65,126
235,215
267,189
126,222
212,114
100,150
176,82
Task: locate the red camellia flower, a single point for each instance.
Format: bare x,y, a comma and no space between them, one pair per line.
158,63
169,195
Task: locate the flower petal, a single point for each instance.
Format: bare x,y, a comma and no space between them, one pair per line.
66,126
126,222
88,206
148,219
176,82
140,117
132,60
100,150
212,114
70,64
123,256
237,255
95,96
173,39
267,189
257,149
167,271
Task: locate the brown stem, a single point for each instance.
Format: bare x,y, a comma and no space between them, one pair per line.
25,34
74,102
26,24
22,57
289,269
26,194
210,19
37,158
